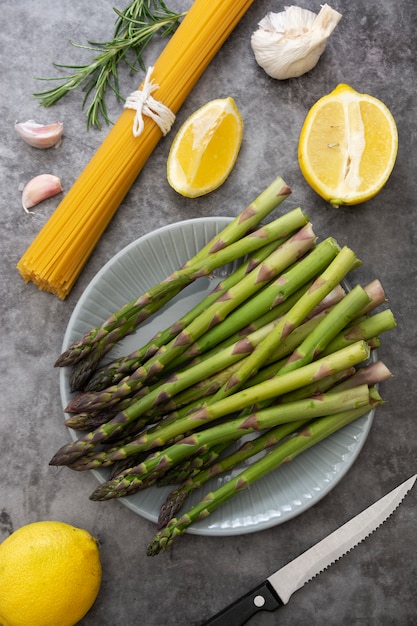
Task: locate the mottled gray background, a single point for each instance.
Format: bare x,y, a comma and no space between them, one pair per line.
373,49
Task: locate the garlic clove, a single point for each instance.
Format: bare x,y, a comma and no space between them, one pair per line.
290,43
40,188
40,135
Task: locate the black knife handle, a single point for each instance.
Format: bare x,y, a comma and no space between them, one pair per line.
262,598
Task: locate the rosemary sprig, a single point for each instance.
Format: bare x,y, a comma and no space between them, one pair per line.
135,27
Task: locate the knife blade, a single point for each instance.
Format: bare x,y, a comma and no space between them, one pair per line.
278,588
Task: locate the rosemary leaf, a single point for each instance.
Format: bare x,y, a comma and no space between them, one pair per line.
135,27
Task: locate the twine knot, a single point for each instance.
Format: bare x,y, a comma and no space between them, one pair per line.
144,103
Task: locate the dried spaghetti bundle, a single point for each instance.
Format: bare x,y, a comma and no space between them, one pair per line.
57,255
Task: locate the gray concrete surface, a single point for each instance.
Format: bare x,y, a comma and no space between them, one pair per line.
373,49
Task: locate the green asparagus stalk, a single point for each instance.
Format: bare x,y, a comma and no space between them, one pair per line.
376,292
199,348
193,396
266,390
132,479
233,321
288,450
123,367
191,468
210,385
166,290
248,449
367,329
376,297
190,400
370,375
284,286
274,295
192,465
344,262
280,259
239,228
333,323
117,369
183,379
247,221
161,393
290,286
352,355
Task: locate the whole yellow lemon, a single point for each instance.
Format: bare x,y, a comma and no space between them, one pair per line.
50,575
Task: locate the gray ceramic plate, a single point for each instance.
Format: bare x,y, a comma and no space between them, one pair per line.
283,494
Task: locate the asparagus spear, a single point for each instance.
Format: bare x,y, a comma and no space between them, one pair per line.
202,347
288,287
114,371
176,407
337,361
191,465
280,259
82,371
370,375
160,393
272,295
344,262
213,337
333,323
366,329
177,497
194,395
374,325
239,228
252,447
183,379
133,478
167,289
266,390
283,453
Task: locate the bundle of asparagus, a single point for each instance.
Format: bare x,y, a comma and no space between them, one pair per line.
278,347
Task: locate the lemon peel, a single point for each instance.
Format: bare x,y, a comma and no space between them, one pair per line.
50,574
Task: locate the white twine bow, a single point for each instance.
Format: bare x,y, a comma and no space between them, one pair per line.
145,104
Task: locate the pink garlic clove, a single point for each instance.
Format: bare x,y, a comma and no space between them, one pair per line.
40,188
39,135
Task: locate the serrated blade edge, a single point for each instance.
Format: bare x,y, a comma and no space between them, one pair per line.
317,558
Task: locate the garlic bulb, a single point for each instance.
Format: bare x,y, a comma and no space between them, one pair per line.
290,43
40,188
40,135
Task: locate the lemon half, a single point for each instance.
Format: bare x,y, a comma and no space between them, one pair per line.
348,146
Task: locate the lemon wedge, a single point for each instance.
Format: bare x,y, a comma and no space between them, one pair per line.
205,148
348,146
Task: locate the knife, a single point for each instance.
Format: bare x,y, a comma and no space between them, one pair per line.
276,590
